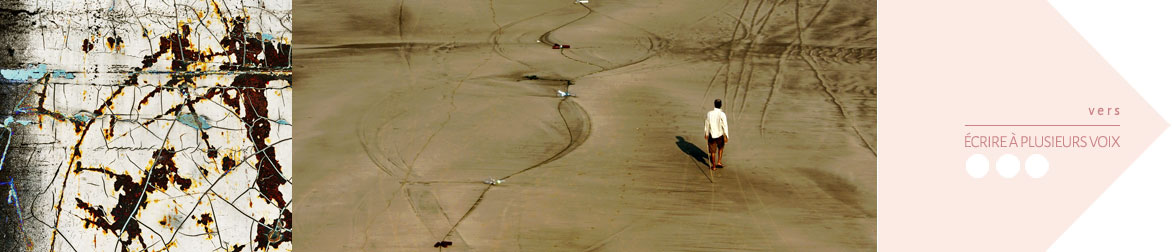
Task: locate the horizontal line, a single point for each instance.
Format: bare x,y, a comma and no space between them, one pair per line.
1041,125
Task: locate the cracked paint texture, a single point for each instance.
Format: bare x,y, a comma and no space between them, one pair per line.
146,125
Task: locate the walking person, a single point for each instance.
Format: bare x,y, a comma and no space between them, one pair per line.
716,132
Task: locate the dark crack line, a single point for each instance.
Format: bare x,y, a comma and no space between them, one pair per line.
216,219
144,224
60,200
56,232
143,193
213,185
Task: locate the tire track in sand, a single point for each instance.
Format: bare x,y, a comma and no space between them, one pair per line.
566,105
428,210
575,118
822,79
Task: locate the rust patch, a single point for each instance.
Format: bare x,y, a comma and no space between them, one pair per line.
86,46
160,178
245,49
228,164
267,238
250,88
204,219
114,43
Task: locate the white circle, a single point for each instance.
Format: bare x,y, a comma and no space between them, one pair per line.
1008,165
1036,166
977,166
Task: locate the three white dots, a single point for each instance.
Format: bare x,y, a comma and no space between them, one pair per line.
1008,166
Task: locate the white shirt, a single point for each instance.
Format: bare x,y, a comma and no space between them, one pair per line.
716,124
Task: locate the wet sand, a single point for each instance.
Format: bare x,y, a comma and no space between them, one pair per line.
405,108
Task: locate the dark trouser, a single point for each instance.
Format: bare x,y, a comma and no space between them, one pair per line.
716,150
715,144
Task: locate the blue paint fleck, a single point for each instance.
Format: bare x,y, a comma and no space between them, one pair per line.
10,121
194,121
62,74
24,74
83,116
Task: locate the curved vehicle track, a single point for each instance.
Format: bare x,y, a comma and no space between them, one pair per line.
578,132
391,159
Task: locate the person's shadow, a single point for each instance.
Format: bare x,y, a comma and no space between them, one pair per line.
692,150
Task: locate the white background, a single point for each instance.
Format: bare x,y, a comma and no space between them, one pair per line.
1135,213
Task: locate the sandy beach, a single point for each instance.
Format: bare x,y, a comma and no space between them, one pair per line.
405,108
